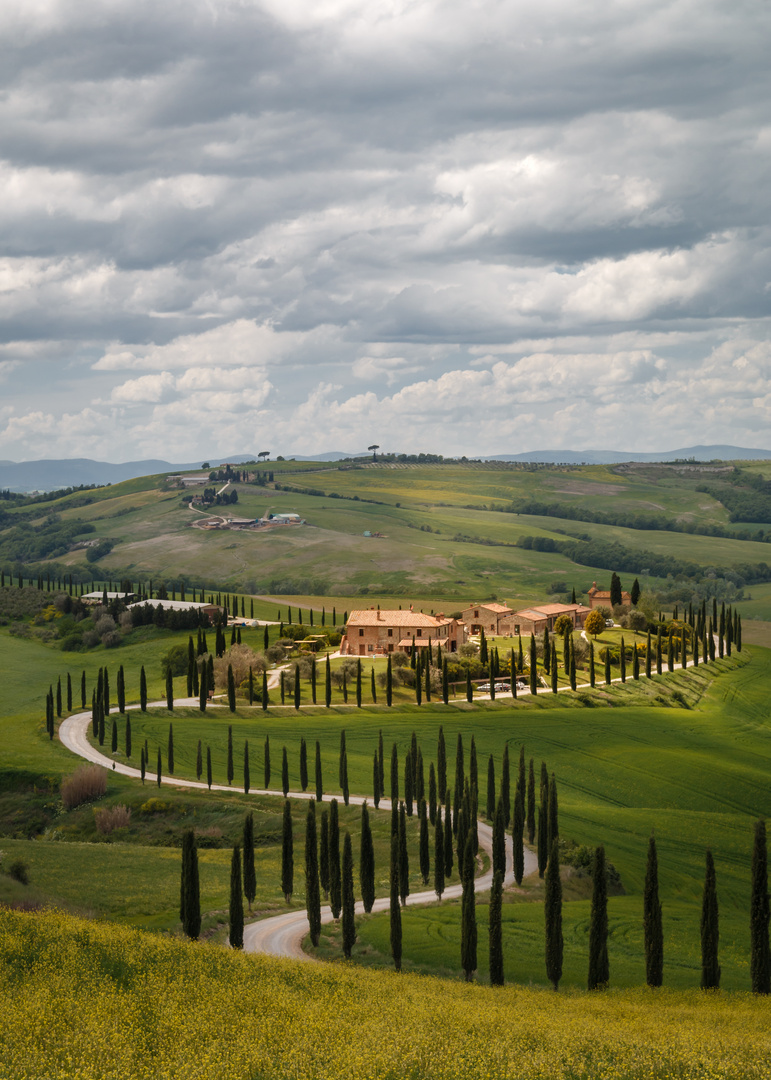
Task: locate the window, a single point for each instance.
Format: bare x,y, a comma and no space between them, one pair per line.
369,648
476,613
361,633
390,648
419,633
390,632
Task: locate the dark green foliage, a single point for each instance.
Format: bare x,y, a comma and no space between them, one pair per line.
128,740
473,767
469,686
83,689
490,807
460,780
169,689
250,878
468,947
652,927
404,858
499,839
236,933
327,683
366,862
495,930
635,592
208,768
553,830
143,764
533,666
372,687
266,763
395,909
284,772
543,846
425,858
324,853
441,766
376,780
358,683
247,774
553,917
506,786
142,690
158,769
349,922
230,755
760,958
616,592
530,819
599,970
607,667
121,690
448,849
335,881
231,689
287,854
203,696
394,775
312,897
439,856
432,795
319,782
710,934
190,895
518,835
170,752
303,765
389,683
346,794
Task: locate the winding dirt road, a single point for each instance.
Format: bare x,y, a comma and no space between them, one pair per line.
282,935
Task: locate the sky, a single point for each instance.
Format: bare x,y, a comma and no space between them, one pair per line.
451,227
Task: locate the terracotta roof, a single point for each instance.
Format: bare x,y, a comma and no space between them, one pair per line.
417,642
556,609
500,609
532,613
368,617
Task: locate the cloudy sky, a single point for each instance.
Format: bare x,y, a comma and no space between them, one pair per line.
458,227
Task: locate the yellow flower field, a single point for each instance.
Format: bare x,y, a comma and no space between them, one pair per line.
96,1001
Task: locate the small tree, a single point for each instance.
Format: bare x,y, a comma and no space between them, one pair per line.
595,623
287,854
710,935
553,917
190,887
599,971
652,928
143,690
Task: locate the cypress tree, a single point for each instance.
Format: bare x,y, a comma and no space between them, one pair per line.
533,667
404,859
607,665
554,671
106,693
284,772
389,683
438,856
287,854
469,687
335,881
128,738
394,775
114,738
518,835
121,690
375,780
445,683
427,674
191,665
543,846
230,755
191,920
198,760
297,686
599,971
247,775
553,822
345,687
346,795
142,763
158,769
319,783
572,665
264,691
622,660
592,677
448,852
652,928
208,768
373,688
473,767
324,855
142,690
327,683
312,897
303,765
313,679
425,858
170,753
671,653
432,795
506,786
460,779
366,862
710,968
204,690
648,657
420,777
495,930
659,665
250,877
441,765
530,821
266,762
418,685
499,840
231,689
760,958
349,922
490,805
395,910
408,793
169,689
358,684
553,917
468,914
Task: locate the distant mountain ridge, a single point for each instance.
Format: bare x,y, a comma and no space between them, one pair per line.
48,474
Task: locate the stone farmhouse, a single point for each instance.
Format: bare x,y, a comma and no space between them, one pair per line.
487,617
372,632
600,598
535,620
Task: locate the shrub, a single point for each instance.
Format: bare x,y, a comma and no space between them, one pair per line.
108,818
155,806
104,624
86,783
19,871
111,639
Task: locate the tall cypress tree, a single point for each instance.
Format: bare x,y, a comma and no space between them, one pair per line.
652,928
324,854
438,856
266,762
491,802
395,908
203,696
469,686
468,946
710,936
230,770
247,774
208,768
599,971
441,765
530,818
231,689
499,840
312,897
250,877
128,739
543,846
319,782
366,861
236,934
121,689
376,780
264,701
553,830
191,893
158,769
348,921
448,851
495,930
432,794
394,775
335,881
425,858
404,858
518,835
760,957
303,765
553,917
389,682
169,689
460,780
506,785
408,775
142,690
287,853
327,683
533,666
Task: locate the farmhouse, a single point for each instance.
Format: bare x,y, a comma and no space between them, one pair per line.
372,632
97,597
600,598
211,610
488,617
535,620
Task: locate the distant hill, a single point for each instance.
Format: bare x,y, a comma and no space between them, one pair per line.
49,474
